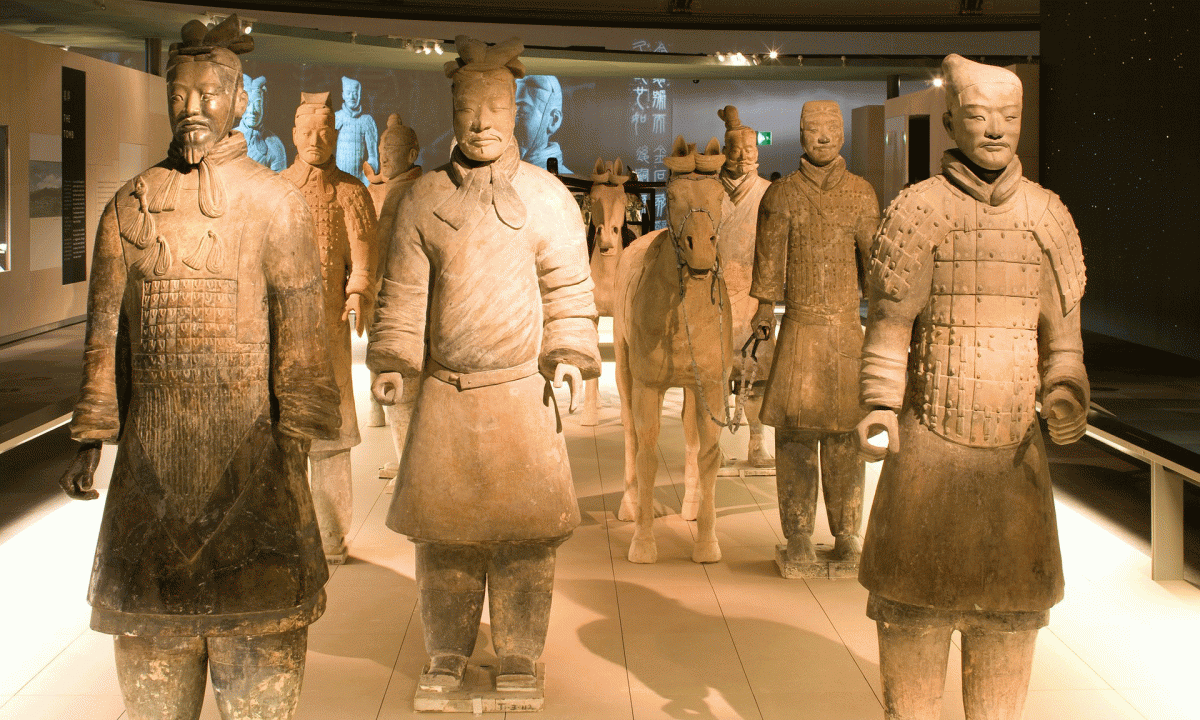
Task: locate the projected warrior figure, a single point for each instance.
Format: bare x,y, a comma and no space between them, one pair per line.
358,138
539,115
263,146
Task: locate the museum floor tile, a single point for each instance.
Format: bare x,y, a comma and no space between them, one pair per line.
726,641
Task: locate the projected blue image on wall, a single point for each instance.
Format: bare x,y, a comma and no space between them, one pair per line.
539,116
358,136
263,146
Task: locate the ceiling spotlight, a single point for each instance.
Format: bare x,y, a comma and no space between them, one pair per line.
937,82
774,54
740,58
720,57
248,29
754,59
437,48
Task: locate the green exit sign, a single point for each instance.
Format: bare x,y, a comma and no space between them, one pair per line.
764,137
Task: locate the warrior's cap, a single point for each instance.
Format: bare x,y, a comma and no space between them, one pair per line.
221,45
961,73
477,56
818,108
397,132
349,82
315,104
733,123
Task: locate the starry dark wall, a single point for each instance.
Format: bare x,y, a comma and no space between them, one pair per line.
1120,125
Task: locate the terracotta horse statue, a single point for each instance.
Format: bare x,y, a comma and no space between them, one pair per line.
606,209
671,328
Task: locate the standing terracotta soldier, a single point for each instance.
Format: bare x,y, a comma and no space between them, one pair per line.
358,138
345,236
398,151
962,532
812,227
494,249
262,145
744,188
203,299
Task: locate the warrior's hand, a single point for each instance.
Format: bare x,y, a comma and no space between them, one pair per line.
356,303
369,172
1066,418
574,378
876,421
763,323
77,480
388,387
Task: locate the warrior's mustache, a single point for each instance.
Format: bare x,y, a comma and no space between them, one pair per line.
476,137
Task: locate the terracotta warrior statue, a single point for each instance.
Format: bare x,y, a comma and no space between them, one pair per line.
262,145
345,237
962,534
744,189
486,300
539,116
199,364
398,151
358,137
812,227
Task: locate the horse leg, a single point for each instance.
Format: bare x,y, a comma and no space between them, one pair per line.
691,449
591,403
628,509
646,406
708,461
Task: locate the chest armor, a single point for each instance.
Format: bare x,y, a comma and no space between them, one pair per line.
329,219
822,273
974,365
188,361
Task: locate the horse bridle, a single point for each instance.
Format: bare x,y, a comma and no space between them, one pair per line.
679,261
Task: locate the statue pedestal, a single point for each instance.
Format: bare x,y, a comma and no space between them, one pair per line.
478,694
824,567
389,471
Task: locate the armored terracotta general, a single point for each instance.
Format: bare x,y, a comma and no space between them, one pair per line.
358,137
812,226
398,151
204,297
262,145
344,218
976,277
744,189
486,300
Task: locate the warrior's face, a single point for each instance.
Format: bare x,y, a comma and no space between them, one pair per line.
351,93
205,103
484,113
539,112
822,136
986,123
255,107
395,157
741,153
315,138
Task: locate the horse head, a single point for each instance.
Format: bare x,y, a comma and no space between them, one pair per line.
694,195
606,200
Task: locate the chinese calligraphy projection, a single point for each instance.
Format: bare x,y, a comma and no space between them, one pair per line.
672,328
650,127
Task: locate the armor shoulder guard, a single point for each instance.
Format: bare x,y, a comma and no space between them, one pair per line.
914,224
1058,238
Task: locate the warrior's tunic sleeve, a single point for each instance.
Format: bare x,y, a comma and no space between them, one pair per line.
899,274
771,246
97,414
1060,345
363,240
397,342
568,305
302,379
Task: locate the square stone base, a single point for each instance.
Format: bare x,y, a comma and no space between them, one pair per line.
478,694
824,567
741,468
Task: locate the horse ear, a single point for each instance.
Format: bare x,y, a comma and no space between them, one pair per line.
600,168
680,148
713,147
618,167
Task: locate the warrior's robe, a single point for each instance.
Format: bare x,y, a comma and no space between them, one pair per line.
735,247
504,296
199,362
358,141
963,517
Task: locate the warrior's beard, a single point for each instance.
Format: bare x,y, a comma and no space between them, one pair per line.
738,169
197,137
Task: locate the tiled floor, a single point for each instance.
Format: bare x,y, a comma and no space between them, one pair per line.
675,640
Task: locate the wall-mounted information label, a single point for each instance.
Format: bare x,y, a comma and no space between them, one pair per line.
764,137
74,169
